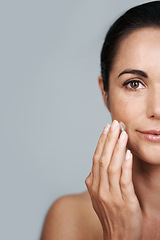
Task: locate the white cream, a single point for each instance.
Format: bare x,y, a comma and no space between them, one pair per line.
122,125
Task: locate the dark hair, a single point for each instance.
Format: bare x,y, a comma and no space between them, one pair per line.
144,15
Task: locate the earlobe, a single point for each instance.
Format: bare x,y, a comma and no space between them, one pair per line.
100,82
105,94
108,103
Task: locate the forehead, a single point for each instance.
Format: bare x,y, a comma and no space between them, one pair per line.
140,49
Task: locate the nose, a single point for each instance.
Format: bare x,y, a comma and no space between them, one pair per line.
153,106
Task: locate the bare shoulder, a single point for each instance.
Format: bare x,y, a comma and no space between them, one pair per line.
71,217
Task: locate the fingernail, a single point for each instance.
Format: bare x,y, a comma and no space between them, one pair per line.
128,154
122,137
122,125
106,129
114,125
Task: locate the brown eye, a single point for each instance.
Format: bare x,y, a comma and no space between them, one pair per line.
134,84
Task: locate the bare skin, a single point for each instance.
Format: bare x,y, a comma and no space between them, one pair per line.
72,217
137,106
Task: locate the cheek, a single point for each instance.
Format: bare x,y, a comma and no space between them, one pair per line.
120,108
123,111
131,111
126,107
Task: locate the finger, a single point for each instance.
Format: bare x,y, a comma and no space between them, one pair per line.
126,184
88,183
96,157
115,167
106,156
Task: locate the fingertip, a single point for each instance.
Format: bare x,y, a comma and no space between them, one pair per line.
106,129
128,155
128,160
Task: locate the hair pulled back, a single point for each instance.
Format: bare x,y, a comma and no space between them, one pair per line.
144,15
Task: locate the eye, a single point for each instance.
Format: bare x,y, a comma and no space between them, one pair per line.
134,84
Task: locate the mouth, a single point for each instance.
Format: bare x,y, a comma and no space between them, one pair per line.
150,135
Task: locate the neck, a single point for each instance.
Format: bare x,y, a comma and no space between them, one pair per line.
146,181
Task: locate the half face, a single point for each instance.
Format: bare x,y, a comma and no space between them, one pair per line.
134,92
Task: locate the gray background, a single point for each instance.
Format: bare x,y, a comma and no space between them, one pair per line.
52,111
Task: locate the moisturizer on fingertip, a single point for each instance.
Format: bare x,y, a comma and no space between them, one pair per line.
122,125
128,154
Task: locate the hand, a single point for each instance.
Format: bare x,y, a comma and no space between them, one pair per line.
111,189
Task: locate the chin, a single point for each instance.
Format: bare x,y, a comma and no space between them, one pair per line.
149,153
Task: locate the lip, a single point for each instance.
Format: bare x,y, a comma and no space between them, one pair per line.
150,135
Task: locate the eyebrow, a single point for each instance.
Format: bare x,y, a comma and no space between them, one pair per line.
134,71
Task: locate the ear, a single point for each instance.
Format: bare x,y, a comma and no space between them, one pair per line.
105,94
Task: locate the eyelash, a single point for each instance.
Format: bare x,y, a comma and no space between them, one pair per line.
132,81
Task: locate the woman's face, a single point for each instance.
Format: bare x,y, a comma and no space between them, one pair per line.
134,91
